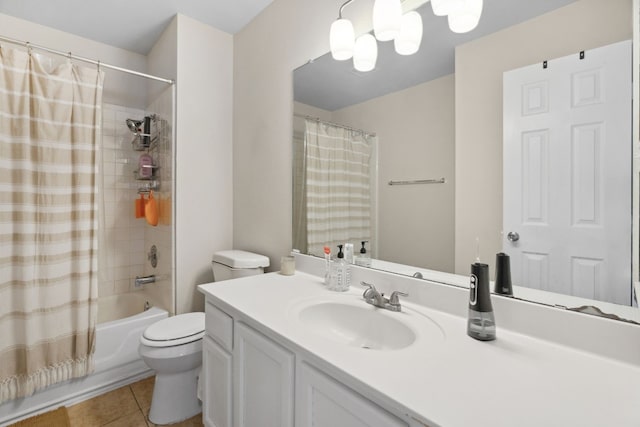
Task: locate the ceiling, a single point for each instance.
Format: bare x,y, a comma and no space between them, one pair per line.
331,85
131,25
136,25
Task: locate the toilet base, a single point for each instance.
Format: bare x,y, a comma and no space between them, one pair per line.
175,397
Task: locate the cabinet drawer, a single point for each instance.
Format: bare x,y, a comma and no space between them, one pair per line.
219,326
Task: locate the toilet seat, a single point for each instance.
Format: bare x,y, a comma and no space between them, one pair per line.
176,330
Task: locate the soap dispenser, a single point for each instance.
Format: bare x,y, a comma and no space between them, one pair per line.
363,260
340,273
481,324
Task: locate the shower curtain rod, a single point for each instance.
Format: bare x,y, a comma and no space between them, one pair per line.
318,119
69,55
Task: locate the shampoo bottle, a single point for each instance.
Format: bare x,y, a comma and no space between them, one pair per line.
147,130
348,253
145,166
481,324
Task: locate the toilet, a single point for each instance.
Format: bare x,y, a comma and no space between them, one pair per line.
234,264
172,347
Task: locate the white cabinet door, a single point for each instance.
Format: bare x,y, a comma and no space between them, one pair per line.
321,401
217,385
263,380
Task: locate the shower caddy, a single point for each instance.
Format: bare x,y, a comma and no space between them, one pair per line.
146,134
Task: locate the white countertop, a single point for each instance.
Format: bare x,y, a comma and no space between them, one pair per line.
452,380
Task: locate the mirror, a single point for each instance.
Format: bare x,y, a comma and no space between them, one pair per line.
438,114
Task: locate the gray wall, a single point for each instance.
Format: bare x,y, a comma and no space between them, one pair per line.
415,129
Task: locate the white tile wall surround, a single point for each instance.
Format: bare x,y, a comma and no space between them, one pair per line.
124,234
161,293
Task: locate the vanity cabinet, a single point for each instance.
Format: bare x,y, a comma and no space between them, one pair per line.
263,380
250,380
321,401
217,386
217,368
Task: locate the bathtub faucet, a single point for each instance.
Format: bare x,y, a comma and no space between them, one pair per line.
143,280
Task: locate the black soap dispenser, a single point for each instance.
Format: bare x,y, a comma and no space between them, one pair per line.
363,259
481,323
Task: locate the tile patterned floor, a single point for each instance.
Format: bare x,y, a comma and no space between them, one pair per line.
127,406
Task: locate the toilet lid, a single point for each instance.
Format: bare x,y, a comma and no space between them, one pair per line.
240,259
183,327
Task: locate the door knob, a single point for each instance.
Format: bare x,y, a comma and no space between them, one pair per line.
513,236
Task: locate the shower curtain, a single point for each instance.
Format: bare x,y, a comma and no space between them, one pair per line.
338,186
49,130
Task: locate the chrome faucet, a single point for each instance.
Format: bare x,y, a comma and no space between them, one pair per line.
144,280
375,298
372,296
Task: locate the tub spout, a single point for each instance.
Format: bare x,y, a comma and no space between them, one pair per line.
143,280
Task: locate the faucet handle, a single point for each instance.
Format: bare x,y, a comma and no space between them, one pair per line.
370,289
368,285
394,300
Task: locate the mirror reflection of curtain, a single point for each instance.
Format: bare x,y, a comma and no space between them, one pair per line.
49,132
337,186
299,196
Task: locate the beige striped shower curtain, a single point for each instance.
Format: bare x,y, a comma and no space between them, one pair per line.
49,131
338,186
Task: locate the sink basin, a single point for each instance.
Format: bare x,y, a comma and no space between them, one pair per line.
358,326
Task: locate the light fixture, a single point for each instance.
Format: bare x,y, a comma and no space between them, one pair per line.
444,7
341,39
408,41
465,17
365,53
387,15
390,24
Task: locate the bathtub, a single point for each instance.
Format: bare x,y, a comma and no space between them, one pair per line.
121,321
120,326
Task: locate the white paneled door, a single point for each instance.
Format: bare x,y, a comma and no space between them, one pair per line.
567,174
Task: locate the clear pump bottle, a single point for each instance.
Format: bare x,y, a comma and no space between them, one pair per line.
340,273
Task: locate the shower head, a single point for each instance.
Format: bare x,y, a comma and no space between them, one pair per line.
134,125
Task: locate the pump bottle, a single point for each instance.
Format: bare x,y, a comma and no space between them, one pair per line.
363,260
340,273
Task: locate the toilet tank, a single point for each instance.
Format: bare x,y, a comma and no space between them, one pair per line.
232,264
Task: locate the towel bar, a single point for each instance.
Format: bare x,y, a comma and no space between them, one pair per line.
419,181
